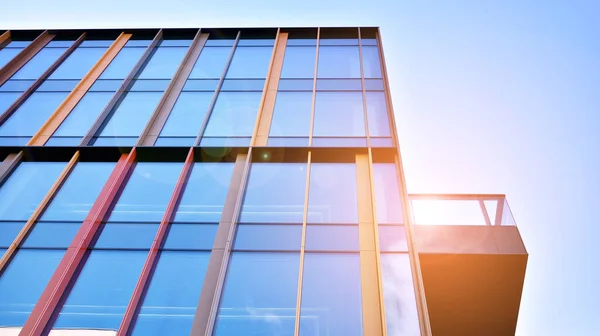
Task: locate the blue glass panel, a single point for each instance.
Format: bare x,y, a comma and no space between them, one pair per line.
275,193
175,141
339,142
295,84
187,114
137,43
243,85
339,62
8,54
331,295
234,114
131,116
7,98
371,64
58,85
399,295
78,63
392,238
268,237
374,84
23,282
18,85
77,195
201,85
339,114
338,41
382,142
368,41
291,115
379,124
259,295
9,231
250,62
127,236
332,238
169,306
225,142
339,85
115,141
30,116
219,42
387,194
287,142
60,43
52,235
294,42
163,63
103,289
332,194
2,251
147,192
211,63
299,62
14,141
123,63
25,188
96,43
187,236
82,117
256,42
176,43
18,44
39,63
111,85
61,142
205,192
159,85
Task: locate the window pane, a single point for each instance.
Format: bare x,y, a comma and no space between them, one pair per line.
78,63
7,98
234,114
392,238
387,195
147,192
250,62
339,62
201,85
205,192
339,114
123,63
8,54
331,295
299,62
28,118
127,235
77,195
243,85
374,84
169,306
102,292
39,63
25,188
52,234
110,85
159,85
259,295
332,238
268,237
9,231
133,113
211,63
332,195
371,65
295,84
187,114
291,116
58,85
16,85
163,63
379,125
84,114
23,282
191,236
275,193
339,85
399,296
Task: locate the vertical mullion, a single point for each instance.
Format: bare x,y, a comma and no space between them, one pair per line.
364,93
165,106
38,212
67,270
151,261
63,110
24,56
302,247
122,91
8,165
208,304
388,96
314,90
5,39
211,106
14,106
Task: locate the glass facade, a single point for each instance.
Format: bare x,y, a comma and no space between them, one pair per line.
263,229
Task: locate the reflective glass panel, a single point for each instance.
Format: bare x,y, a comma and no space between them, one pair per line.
299,62
399,295
291,116
275,193
371,65
78,63
187,114
39,63
205,192
331,295
133,113
82,117
8,54
387,195
127,235
163,63
123,63
211,63
339,62
339,114
234,114
190,236
268,237
392,238
52,234
16,85
30,116
259,295
250,62
332,193
332,238
7,98
8,232
379,124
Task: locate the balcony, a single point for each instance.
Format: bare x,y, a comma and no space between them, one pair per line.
472,262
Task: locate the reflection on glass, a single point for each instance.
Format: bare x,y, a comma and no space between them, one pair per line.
268,237
234,114
332,194
275,193
259,295
127,235
81,118
123,63
163,63
250,62
187,114
291,116
332,238
392,238
379,124
130,118
78,63
399,296
299,62
387,195
371,65
447,212
338,62
191,236
51,234
331,295
211,62
339,114
30,116
39,63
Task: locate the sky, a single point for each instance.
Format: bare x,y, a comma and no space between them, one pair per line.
489,96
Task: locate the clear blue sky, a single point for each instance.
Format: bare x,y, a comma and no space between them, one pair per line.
490,97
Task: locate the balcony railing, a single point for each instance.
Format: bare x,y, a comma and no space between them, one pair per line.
460,209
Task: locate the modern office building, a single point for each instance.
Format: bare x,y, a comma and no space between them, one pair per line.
239,182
